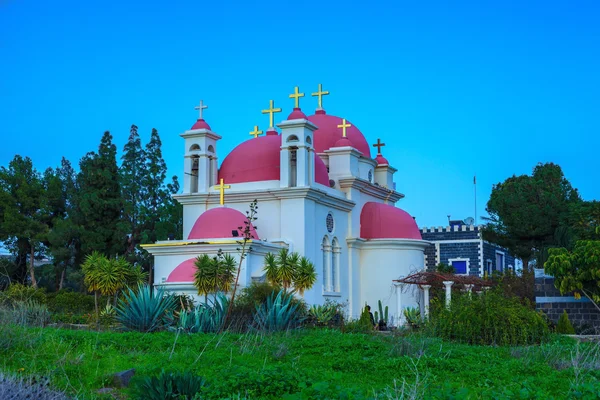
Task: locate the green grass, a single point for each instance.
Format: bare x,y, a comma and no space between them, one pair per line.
309,363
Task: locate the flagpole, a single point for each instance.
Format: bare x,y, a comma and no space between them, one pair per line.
475,190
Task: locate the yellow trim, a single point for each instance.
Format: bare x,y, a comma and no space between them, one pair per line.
188,243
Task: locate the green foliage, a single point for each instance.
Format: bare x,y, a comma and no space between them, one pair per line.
445,268
321,315
512,285
143,309
169,385
204,318
578,270
381,315
289,269
214,274
564,325
362,325
17,292
25,313
67,302
490,319
413,317
278,313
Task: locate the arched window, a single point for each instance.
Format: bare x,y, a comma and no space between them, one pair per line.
308,140
195,147
194,174
335,265
211,149
292,138
326,248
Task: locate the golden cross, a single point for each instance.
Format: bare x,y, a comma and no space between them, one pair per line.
200,108
320,94
344,125
379,145
296,96
221,188
271,111
256,133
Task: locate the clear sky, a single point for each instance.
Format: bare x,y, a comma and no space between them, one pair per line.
453,88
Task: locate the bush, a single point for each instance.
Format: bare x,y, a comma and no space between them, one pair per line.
564,325
169,385
26,313
21,293
12,387
277,313
489,318
362,325
66,301
205,317
145,310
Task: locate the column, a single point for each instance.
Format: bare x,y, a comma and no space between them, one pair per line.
448,285
399,313
426,300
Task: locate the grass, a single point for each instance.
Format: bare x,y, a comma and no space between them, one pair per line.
306,364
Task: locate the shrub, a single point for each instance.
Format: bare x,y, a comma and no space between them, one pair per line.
66,301
26,313
169,385
12,387
205,317
20,293
362,325
413,317
277,313
144,310
489,318
564,325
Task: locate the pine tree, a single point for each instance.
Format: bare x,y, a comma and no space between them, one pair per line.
132,174
99,201
564,326
155,193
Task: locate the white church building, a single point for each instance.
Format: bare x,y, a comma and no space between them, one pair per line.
320,193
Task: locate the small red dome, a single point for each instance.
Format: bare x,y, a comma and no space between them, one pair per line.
218,223
296,114
200,124
329,133
184,272
381,160
382,221
343,142
259,159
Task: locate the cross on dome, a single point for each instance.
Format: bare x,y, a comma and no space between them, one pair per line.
256,133
320,95
344,125
296,96
221,188
200,107
271,110
379,145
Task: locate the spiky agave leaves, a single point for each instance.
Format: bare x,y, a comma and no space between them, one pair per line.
277,313
143,310
205,317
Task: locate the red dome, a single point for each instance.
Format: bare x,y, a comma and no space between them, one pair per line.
382,221
343,142
328,133
296,114
200,124
381,160
184,272
218,223
258,160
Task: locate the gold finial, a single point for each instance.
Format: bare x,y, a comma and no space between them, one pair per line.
221,188
256,133
200,108
320,95
344,125
271,111
379,145
296,96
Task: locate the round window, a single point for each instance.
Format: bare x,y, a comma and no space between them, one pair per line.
370,176
329,222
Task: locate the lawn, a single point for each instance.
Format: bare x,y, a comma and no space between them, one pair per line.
307,364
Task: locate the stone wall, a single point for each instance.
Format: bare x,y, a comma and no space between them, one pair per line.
582,313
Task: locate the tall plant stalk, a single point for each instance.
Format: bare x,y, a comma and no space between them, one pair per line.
247,237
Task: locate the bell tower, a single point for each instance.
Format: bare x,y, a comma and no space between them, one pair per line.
200,159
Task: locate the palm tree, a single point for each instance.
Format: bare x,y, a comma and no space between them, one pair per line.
289,269
91,278
214,274
306,276
203,275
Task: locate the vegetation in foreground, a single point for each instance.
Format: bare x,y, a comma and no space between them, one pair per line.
310,363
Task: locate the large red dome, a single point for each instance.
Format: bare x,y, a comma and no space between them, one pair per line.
218,223
382,221
328,133
184,272
258,160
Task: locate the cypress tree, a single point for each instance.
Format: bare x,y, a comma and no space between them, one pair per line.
154,191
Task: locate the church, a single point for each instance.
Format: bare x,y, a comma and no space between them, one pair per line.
320,192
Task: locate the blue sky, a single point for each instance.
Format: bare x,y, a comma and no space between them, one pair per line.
486,88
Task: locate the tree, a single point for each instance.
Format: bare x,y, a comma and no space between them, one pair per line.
99,201
289,269
527,212
22,227
214,274
132,174
153,188
577,271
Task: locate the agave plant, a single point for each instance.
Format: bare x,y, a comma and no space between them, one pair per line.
205,317
144,310
322,314
277,313
169,385
413,316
